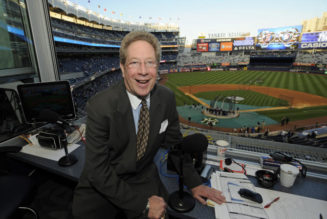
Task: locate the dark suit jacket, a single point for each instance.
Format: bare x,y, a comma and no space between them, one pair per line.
111,173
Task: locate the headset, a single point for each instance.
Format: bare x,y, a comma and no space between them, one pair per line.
229,161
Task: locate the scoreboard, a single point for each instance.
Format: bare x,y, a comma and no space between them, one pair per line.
278,38
225,44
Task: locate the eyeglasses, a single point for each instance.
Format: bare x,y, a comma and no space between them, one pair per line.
136,64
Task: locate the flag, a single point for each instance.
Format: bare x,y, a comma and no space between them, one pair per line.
99,6
89,1
140,17
113,12
105,9
121,14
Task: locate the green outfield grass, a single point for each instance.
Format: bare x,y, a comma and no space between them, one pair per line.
250,97
297,114
181,98
309,83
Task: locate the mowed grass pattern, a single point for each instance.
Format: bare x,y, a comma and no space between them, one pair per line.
309,83
250,97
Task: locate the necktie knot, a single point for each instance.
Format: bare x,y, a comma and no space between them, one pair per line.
143,102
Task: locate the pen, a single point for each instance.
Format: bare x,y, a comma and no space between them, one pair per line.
268,205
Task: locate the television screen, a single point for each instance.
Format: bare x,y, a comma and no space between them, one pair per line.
202,47
279,38
55,96
11,124
214,47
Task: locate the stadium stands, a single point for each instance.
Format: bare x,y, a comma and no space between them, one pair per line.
91,69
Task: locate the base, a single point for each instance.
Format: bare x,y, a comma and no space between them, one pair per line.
67,160
184,204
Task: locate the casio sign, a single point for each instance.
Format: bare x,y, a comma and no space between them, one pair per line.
313,45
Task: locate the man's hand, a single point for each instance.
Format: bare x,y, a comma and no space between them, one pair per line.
157,207
202,191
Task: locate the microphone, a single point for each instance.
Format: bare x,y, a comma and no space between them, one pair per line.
47,115
195,144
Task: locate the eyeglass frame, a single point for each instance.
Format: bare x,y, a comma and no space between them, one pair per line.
136,64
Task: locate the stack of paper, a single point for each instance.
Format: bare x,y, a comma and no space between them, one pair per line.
235,206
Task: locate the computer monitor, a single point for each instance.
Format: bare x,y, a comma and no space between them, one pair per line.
11,124
55,96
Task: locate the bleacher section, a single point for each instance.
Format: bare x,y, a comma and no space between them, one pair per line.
88,57
90,69
83,92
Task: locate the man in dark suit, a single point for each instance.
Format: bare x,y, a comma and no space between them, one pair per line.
115,179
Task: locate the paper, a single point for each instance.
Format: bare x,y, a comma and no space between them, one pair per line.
292,206
235,206
43,152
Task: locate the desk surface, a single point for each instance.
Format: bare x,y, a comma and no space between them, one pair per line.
307,187
72,172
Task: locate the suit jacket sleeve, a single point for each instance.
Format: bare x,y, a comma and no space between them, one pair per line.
173,137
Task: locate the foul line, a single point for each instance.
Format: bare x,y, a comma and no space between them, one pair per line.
197,99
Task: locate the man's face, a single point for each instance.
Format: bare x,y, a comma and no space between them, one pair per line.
140,69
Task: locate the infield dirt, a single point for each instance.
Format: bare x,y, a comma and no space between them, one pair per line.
296,99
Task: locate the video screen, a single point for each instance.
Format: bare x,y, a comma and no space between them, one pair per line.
279,38
226,46
54,96
214,47
202,47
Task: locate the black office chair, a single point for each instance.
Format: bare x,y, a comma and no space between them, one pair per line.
14,191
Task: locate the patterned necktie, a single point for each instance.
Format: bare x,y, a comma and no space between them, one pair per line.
143,130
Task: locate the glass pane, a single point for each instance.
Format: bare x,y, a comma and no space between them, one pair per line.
13,40
16,66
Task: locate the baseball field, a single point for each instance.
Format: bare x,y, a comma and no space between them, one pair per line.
299,96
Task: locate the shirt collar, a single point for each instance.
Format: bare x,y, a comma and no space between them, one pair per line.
135,101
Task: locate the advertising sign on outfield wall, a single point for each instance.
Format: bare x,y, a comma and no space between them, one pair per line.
244,43
314,40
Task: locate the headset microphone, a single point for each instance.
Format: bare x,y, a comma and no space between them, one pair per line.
229,161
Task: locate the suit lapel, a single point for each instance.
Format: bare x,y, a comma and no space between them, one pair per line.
125,122
155,110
